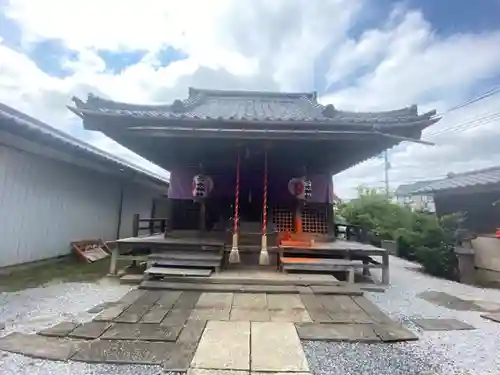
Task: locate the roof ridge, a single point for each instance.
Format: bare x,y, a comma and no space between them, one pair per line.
251,93
472,172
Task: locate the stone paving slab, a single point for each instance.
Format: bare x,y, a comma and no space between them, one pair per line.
179,358
39,346
192,331
124,352
393,333
442,324
143,332
210,314
492,316
377,315
252,315
176,317
234,354
100,307
215,301
156,314
342,309
113,312
284,302
200,371
187,301
250,301
276,347
279,373
337,332
59,330
315,309
139,308
90,330
294,316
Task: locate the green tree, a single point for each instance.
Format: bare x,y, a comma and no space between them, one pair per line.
420,236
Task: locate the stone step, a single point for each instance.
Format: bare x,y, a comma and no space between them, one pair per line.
240,288
297,280
176,271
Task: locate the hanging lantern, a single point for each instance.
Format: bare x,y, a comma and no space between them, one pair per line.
202,186
300,188
307,189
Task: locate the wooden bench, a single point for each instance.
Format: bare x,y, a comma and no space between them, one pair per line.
327,264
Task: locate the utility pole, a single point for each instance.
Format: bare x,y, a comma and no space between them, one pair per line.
387,166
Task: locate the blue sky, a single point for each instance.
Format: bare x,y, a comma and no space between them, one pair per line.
358,54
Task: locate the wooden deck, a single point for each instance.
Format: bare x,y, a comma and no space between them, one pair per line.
350,254
160,239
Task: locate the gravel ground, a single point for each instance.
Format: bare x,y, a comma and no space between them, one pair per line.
33,309
437,353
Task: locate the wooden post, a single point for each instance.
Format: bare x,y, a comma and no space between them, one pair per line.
298,218
135,226
203,210
385,269
114,259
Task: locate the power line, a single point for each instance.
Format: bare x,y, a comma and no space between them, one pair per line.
470,124
483,96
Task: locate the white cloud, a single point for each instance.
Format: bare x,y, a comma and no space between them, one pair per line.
258,44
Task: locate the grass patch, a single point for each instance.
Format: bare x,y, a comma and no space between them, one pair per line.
67,269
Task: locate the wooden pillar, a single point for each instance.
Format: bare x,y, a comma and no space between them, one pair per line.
298,217
202,218
135,226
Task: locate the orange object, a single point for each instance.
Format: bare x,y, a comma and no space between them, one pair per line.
295,243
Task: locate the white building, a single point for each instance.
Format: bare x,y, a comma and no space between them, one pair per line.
55,189
418,202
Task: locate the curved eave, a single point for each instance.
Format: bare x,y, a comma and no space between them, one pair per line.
418,122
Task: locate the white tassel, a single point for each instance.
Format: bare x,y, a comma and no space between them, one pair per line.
234,255
264,254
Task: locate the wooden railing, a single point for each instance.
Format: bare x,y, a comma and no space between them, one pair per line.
351,232
151,225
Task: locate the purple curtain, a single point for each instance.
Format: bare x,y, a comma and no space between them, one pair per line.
181,181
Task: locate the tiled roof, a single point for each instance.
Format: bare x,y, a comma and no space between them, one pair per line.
463,180
408,189
36,130
250,106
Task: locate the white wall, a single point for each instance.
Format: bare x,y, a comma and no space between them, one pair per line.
45,204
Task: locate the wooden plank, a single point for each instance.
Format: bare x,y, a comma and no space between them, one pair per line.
342,309
192,255
372,310
171,271
341,263
187,263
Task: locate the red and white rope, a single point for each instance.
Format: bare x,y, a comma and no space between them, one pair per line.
237,197
264,215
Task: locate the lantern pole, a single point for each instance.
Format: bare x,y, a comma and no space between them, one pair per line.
264,255
234,255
